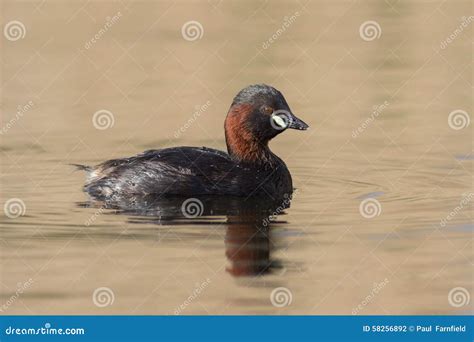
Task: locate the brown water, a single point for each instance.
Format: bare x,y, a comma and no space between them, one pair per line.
328,256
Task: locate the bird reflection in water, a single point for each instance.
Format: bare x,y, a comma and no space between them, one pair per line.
248,223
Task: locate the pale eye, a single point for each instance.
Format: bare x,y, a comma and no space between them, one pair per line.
279,121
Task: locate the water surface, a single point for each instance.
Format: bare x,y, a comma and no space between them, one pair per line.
378,112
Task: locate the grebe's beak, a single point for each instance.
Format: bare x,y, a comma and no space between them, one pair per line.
296,123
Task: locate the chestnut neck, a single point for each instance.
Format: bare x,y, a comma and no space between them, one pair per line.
242,144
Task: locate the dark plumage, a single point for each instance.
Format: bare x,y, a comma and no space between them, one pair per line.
257,114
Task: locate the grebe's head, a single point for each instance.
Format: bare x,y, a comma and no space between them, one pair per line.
257,114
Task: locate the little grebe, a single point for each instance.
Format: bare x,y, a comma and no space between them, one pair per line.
257,114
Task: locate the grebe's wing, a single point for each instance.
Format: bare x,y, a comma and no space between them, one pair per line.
181,171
